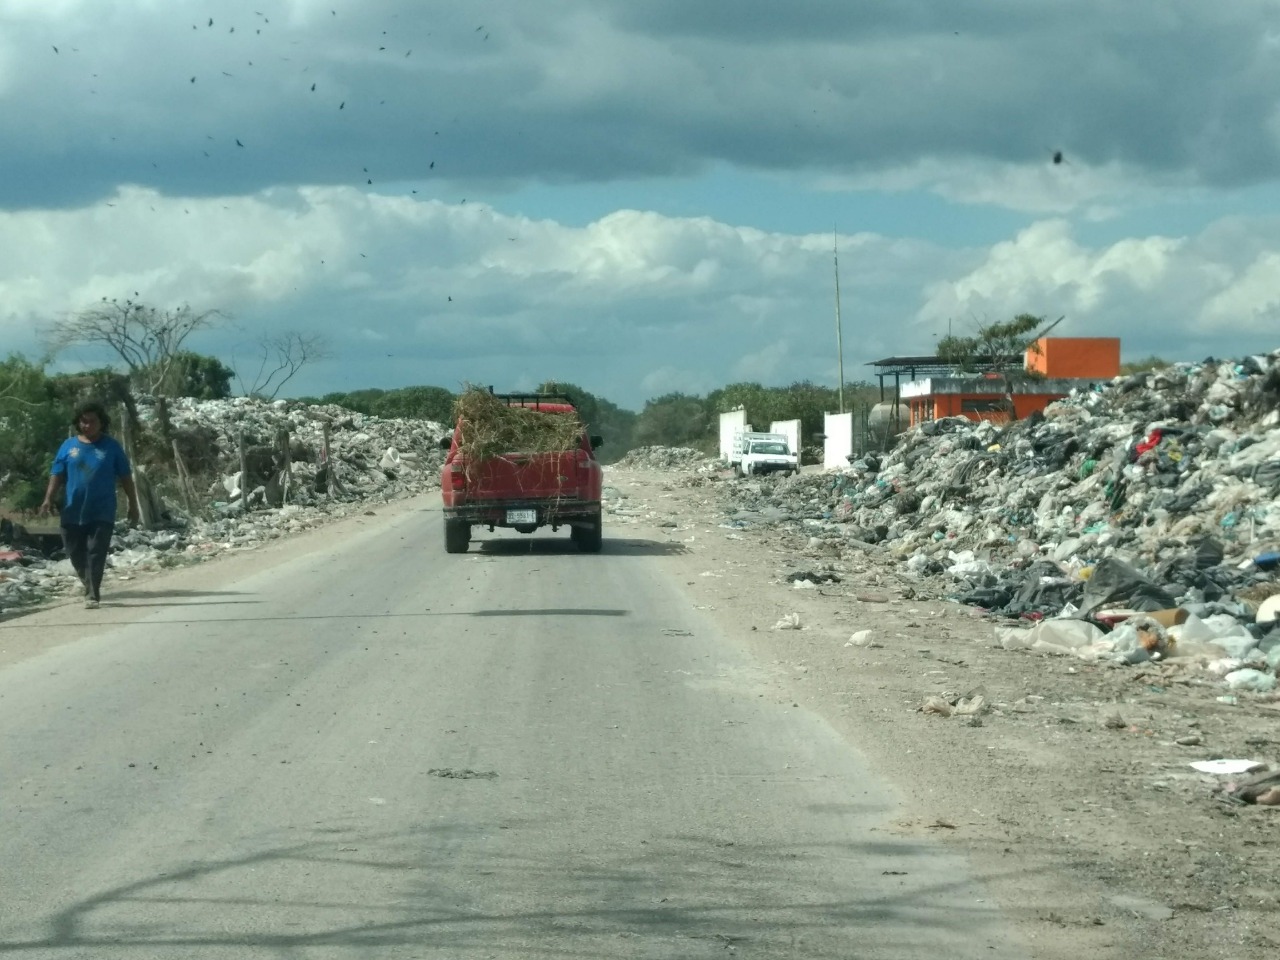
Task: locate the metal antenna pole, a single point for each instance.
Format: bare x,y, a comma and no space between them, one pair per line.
835,259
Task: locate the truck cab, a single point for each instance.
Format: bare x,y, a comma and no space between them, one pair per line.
757,454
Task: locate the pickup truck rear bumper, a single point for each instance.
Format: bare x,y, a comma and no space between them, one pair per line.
496,513
759,468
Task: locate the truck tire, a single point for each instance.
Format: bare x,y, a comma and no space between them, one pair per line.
457,534
589,539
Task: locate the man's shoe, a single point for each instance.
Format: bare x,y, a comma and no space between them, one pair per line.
91,604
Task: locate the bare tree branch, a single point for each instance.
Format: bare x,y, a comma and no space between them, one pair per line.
144,338
281,357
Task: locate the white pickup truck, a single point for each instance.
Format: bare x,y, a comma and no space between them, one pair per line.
755,454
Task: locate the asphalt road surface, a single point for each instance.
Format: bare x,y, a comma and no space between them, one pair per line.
364,747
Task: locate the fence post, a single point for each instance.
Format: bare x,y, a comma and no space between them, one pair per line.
244,475
286,461
147,508
184,479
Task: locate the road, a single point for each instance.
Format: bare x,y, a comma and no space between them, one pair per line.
358,746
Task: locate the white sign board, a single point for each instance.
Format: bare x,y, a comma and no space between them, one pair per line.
792,430
839,443
731,424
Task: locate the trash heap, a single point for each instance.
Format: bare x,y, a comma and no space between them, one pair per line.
1146,512
674,459
367,460
367,456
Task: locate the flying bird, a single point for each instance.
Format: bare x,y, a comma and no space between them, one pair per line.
1057,156
55,49
342,104
211,21
313,88
239,144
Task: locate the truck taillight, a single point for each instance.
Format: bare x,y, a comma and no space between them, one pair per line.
457,476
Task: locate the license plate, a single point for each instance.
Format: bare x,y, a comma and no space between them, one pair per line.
522,516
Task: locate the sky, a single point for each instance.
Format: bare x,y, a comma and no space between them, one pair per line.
639,196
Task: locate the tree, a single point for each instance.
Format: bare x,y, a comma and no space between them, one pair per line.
674,419
996,347
194,375
415,403
146,339
281,356
763,405
32,424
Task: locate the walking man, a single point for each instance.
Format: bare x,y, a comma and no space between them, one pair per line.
88,467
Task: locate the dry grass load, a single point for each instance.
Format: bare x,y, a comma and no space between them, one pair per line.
491,427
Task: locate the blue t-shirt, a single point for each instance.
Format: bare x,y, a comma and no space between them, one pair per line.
91,470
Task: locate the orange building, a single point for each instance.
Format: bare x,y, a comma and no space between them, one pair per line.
1058,365
1075,358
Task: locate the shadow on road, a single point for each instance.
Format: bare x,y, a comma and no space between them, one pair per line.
613,546
550,612
446,891
133,593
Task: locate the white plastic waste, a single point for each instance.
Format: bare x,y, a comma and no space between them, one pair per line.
1226,766
1250,679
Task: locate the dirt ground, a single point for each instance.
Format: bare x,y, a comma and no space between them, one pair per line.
1069,792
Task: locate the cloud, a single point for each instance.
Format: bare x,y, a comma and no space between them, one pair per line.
1174,296
362,171
966,98
631,305
474,292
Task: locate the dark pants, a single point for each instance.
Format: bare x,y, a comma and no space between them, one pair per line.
87,547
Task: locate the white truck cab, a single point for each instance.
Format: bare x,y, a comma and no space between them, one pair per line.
755,454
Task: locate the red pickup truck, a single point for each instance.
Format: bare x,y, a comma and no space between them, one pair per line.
522,490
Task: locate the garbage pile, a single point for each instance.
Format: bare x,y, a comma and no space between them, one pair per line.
367,460
367,456
1158,493
682,459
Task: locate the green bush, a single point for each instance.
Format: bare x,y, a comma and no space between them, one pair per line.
32,426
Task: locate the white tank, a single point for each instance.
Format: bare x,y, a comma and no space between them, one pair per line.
882,423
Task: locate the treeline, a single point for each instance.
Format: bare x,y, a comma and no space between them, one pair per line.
36,406
688,420
674,419
436,403
35,409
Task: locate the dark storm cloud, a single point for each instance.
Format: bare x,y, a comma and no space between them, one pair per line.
574,91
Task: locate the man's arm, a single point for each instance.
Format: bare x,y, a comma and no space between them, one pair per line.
53,492
131,491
